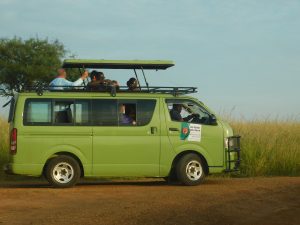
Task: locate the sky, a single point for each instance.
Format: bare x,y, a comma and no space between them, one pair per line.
244,56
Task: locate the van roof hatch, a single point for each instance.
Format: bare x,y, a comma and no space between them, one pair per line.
118,64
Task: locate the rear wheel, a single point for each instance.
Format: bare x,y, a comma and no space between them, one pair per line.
190,170
62,171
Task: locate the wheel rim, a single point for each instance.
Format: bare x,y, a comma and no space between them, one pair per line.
194,170
63,172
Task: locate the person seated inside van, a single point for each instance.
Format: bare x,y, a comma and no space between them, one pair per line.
133,84
61,82
124,117
175,114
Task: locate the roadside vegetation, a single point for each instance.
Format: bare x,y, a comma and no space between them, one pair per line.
269,148
4,143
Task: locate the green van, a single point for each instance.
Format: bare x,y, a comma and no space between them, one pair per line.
152,132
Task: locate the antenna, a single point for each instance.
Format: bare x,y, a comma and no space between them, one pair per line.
145,78
137,78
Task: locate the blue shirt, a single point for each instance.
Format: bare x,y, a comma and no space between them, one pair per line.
125,119
64,83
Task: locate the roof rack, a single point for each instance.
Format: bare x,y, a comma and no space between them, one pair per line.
175,91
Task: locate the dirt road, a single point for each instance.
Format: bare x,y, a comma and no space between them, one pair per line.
218,201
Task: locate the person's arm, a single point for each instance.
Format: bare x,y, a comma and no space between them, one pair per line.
59,84
175,116
78,82
188,117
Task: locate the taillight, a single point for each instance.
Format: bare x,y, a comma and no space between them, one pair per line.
13,141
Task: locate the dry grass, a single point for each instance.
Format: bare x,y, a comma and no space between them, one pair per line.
4,142
269,147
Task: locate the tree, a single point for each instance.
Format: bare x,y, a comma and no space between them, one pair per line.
28,62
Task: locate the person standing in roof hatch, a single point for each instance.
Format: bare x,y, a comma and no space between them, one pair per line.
133,84
61,83
97,82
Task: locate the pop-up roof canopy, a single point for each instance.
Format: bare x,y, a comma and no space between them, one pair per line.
135,65
118,64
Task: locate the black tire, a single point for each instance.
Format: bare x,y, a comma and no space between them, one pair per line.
190,170
62,171
172,178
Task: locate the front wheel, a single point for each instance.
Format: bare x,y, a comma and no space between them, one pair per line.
190,170
62,171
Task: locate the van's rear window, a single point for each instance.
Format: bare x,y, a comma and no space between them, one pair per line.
38,112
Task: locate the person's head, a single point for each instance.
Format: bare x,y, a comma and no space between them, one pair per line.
85,74
122,108
61,73
97,76
115,84
101,76
94,75
132,83
177,107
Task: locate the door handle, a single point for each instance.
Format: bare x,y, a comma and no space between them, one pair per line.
173,129
153,130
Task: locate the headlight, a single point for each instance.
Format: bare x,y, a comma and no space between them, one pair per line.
232,142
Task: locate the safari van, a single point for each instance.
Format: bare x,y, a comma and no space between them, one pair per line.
151,132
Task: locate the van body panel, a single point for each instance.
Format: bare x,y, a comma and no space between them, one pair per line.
26,169
147,150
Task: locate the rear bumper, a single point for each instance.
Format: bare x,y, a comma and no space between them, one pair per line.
8,169
23,169
233,154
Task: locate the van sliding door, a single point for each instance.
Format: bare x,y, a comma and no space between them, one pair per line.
126,137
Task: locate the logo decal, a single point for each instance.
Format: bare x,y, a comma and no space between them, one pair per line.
190,132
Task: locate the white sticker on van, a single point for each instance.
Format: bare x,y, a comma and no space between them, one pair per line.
190,132
195,132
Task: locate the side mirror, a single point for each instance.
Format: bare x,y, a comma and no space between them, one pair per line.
213,119
2,91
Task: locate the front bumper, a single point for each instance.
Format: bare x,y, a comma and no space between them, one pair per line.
233,153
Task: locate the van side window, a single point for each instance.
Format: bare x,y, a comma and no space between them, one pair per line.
85,112
37,112
63,112
135,112
104,112
145,109
187,111
82,112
